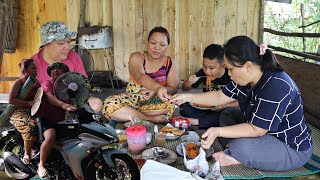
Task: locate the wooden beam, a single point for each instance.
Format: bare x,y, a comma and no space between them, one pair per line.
281,1
310,35
8,78
310,24
302,54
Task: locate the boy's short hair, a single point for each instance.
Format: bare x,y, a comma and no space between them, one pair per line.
57,64
214,51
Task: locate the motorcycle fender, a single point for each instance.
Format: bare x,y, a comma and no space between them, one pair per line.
107,154
12,159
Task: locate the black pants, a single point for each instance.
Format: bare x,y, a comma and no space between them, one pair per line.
207,118
229,117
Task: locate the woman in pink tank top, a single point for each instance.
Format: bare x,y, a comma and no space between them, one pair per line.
153,77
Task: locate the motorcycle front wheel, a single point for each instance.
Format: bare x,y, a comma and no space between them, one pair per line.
124,168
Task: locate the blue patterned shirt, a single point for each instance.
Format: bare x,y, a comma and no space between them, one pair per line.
274,104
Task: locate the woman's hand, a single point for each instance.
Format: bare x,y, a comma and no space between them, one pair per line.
193,78
179,99
218,108
68,107
163,94
209,136
148,94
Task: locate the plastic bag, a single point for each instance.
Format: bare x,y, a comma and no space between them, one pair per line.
198,165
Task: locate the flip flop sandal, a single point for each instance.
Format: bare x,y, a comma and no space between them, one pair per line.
43,174
26,161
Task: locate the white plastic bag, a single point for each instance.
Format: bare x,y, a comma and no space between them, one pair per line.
198,165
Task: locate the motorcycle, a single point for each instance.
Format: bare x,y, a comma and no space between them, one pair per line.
85,149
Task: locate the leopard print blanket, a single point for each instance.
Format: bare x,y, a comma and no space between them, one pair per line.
133,97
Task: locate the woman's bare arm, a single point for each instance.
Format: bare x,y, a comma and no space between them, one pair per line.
138,73
173,78
14,94
56,102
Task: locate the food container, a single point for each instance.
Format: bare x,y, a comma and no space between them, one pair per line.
149,125
122,138
136,137
180,122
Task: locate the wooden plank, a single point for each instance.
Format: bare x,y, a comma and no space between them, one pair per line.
140,44
183,37
195,58
256,20
231,19
302,54
147,19
73,14
132,31
107,20
94,12
169,17
107,12
156,8
291,34
208,28
250,19
219,22
51,9
35,9
117,17
128,34
242,17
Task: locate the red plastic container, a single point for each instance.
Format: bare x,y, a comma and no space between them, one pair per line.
180,122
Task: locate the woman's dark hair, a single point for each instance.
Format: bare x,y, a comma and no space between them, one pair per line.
24,64
214,51
160,29
240,49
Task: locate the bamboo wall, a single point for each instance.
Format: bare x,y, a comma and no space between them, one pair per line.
192,24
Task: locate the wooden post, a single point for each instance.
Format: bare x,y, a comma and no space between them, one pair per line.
261,22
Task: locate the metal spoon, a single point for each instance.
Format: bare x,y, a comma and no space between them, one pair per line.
160,152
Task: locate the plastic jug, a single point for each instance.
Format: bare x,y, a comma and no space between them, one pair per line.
136,137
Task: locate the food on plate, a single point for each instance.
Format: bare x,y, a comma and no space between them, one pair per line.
122,138
201,105
192,150
172,130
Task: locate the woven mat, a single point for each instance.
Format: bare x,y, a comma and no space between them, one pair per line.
312,167
240,171
171,144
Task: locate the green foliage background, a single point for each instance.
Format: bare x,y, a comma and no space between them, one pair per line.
290,22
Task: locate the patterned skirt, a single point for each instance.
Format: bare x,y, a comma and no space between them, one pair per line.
134,98
24,124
